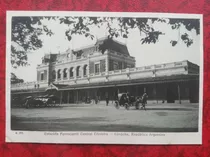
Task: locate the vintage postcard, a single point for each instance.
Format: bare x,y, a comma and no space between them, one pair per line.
104,77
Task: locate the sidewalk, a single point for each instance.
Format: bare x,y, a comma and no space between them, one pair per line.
149,105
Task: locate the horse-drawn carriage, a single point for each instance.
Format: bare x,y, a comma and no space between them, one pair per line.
127,101
40,101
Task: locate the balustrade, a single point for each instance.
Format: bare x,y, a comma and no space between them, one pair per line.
178,63
103,73
132,69
96,74
162,69
158,66
148,68
123,70
117,71
111,72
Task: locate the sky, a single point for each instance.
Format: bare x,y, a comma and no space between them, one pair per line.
145,54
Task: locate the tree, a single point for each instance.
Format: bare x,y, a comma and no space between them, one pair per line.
25,37
15,79
26,31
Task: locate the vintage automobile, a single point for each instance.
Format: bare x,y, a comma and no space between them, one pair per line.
127,101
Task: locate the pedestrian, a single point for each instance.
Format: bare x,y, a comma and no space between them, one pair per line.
107,100
144,100
127,97
99,98
96,100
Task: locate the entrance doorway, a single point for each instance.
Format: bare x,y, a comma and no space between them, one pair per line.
171,93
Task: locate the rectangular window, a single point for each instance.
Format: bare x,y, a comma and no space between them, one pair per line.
120,65
97,68
42,76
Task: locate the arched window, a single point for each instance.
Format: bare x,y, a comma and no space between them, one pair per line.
59,74
78,71
71,72
65,73
85,70
53,75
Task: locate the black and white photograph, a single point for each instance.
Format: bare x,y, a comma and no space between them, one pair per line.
102,77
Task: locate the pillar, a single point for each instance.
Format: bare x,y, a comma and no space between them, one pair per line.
107,63
62,71
145,89
136,92
47,77
68,97
77,96
56,76
82,71
87,70
179,95
61,97
68,74
156,93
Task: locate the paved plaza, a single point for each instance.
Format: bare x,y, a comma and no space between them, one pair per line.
91,117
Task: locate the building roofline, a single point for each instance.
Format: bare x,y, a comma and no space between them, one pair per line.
100,39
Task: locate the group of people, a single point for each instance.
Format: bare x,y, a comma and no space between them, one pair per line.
88,100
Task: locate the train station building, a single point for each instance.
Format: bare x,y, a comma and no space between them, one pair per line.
105,69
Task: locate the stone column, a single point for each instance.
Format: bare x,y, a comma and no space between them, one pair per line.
47,77
107,62
68,73
75,72
87,70
62,70
61,96
82,71
56,76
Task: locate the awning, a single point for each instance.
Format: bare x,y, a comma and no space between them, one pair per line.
153,80
142,81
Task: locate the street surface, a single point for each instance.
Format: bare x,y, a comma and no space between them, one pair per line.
91,117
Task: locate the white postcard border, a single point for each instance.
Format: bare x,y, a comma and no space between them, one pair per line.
107,137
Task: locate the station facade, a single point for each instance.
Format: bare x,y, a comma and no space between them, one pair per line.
106,69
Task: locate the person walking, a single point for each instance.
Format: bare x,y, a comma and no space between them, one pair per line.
107,100
144,100
99,98
127,97
96,100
